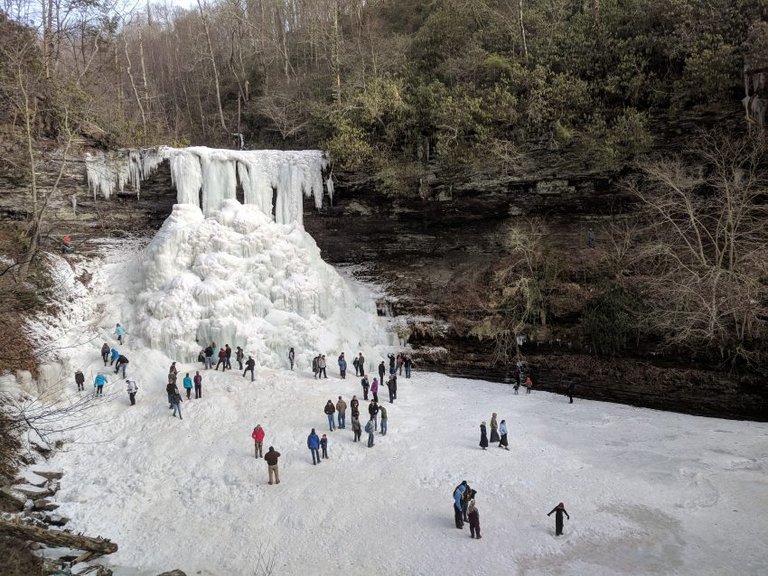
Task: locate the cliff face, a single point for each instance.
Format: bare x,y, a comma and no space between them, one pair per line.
428,252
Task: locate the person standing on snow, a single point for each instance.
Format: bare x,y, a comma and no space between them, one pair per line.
559,510
375,390
228,353
355,407
122,362
382,370
187,383
258,439
458,494
570,391
239,356
131,388
313,443
528,384
271,459
330,411
494,428
357,429
373,412
250,364
341,411
370,428
222,360
98,383
321,367
80,380
365,385
198,380
408,363
342,366
120,333
483,436
356,364
392,361
315,366
503,443
474,517
209,356
392,387
324,445
176,403
113,356
173,372
291,357
171,390
361,363
105,353
383,414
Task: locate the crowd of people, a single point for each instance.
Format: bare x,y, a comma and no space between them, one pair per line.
465,506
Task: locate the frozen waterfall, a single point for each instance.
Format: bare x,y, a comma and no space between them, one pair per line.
273,181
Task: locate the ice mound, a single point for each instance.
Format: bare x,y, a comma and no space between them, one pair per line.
239,278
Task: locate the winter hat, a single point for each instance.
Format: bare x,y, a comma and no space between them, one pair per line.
271,448
483,422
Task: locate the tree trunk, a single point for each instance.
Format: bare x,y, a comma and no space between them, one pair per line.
213,64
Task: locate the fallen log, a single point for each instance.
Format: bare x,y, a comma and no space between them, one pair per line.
57,538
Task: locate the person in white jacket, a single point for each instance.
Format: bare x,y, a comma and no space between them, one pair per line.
131,388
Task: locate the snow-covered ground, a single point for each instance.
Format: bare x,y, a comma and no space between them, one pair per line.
648,492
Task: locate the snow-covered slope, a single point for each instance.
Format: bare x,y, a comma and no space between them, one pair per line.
648,492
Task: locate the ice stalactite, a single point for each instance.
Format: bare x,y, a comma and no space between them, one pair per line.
274,181
108,173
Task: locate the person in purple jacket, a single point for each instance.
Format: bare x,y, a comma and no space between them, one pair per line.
375,390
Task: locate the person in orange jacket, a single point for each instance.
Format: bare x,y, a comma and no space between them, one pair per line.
258,439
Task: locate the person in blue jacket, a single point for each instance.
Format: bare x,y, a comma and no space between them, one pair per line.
503,442
99,382
342,366
120,333
187,383
458,495
113,355
313,443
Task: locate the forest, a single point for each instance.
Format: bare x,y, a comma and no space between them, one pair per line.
398,90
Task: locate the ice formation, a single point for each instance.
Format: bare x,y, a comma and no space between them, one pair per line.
273,181
110,172
239,278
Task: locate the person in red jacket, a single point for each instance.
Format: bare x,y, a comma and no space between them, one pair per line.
258,438
222,360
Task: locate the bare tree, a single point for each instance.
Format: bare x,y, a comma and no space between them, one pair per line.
707,245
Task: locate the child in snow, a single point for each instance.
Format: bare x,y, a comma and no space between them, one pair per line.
324,445
131,388
79,380
559,510
120,333
258,439
528,385
98,383
474,516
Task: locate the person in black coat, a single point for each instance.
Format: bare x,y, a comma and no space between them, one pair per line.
249,366
382,371
80,380
105,350
366,385
483,436
392,386
559,510
571,389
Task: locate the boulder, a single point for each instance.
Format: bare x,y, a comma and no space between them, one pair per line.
43,504
32,491
49,474
30,477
